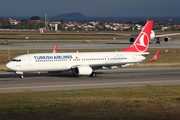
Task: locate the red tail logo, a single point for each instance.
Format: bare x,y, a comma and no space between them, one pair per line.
141,44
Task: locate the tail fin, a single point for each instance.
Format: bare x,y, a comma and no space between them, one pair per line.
155,56
142,41
55,49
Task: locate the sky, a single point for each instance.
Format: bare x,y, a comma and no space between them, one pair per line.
90,8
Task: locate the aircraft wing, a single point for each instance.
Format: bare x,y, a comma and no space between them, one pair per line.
166,35
96,66
118,34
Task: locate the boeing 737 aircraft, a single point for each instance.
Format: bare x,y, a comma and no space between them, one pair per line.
84,63
153,36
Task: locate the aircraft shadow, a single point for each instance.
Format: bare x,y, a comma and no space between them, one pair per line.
63,74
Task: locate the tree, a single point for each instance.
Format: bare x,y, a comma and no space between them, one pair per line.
35,18
4,23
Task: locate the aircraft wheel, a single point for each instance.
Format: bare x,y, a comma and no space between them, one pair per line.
93,74
21,76
74,74
157,42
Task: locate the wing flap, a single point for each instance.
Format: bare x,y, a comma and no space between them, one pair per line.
111,65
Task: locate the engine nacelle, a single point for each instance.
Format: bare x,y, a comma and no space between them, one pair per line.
131,40
82,70
166,39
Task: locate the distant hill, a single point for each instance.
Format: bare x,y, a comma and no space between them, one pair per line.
68,15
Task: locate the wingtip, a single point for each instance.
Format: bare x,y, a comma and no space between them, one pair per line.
155,56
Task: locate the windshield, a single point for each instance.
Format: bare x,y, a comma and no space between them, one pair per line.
16,60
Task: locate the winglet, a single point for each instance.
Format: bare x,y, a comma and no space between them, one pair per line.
155,56
141,44
55,49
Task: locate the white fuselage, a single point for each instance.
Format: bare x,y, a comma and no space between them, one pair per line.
67,61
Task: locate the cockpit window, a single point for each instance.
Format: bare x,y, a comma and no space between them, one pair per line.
16,60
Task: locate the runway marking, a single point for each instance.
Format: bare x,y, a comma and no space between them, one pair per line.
98,84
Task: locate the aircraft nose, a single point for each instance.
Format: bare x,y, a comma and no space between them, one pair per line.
9,65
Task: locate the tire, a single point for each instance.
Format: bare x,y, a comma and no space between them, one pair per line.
21,76
93,74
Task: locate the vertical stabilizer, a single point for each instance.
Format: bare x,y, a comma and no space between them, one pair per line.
142,41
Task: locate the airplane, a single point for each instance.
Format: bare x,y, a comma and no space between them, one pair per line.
153,36
84,63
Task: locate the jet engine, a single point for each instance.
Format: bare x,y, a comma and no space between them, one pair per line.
131,40
82,70
166,39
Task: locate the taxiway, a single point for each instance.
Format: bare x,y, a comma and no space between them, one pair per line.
10,82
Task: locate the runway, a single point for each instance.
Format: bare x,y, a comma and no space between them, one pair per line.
126,77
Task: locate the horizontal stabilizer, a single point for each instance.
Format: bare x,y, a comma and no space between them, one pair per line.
155,56
55,49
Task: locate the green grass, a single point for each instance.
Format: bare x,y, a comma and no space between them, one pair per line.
72,35
61,36
141,103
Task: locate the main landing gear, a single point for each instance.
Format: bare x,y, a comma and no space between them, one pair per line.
93,74
158,41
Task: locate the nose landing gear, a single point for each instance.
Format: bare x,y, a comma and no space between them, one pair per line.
21,76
